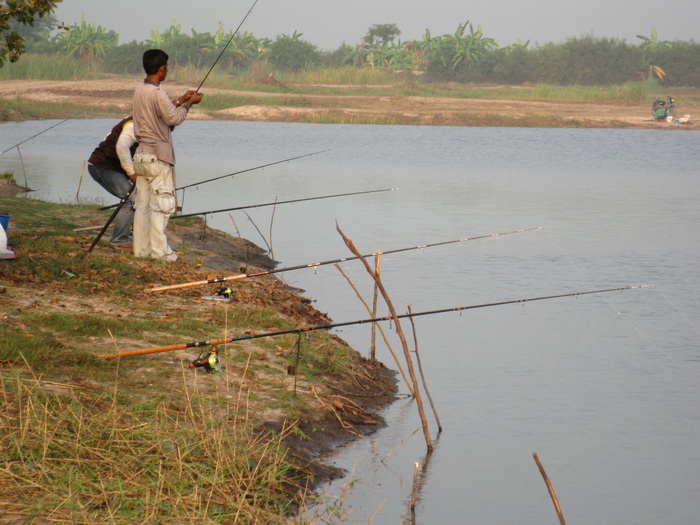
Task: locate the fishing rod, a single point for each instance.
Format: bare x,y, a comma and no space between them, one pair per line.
109,221
53,126
235,173
334,261
250,169
280,202
215,342
259,205
226,46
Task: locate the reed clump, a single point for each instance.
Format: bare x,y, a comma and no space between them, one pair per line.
74,454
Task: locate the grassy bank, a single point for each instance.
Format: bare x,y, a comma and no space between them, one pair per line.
147,439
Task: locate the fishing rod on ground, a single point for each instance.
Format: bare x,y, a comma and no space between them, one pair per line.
114,214
233,174
223,341
323,263
280,202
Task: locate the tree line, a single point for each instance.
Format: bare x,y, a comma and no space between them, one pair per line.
467,55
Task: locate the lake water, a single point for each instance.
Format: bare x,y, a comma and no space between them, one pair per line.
604,388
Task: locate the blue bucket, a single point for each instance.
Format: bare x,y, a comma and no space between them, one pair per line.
4,220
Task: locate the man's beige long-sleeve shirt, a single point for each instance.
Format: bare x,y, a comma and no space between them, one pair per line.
154,113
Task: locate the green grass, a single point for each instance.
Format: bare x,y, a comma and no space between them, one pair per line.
143,439
47,67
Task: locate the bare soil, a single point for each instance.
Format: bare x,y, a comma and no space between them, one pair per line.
115,95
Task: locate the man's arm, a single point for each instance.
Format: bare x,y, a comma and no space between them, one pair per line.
127,138
168,112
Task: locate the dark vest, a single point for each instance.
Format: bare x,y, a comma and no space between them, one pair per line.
105,155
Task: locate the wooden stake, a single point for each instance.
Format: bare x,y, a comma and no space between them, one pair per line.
21,161
399,332
415,488
550,489
80,182
373,341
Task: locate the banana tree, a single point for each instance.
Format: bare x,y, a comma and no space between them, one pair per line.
89,42
649,46
466,49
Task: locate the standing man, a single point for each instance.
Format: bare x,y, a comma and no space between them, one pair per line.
154,162
112,167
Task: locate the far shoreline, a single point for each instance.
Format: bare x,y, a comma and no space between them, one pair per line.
111,98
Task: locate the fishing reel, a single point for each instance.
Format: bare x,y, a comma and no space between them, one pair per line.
209,362
224,291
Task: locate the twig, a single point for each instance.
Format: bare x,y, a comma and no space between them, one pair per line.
272,220
420,369
550,489
399,332
235,225
403,442
381,331
258,230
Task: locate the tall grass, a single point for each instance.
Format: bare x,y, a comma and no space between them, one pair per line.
83,457
47,67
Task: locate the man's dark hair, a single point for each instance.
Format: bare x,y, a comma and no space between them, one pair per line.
153,59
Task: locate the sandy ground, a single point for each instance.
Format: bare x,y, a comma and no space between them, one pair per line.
114,96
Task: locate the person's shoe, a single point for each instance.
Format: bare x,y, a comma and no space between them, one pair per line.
170,257
126,247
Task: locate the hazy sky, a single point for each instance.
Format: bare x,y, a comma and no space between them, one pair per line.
329,23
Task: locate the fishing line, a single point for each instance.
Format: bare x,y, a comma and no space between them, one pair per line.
680,313
227,44
280,202
612,306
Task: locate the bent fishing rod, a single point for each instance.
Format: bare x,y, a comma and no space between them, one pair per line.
223,341
323,263
198,88
280,202
227,44
234,173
